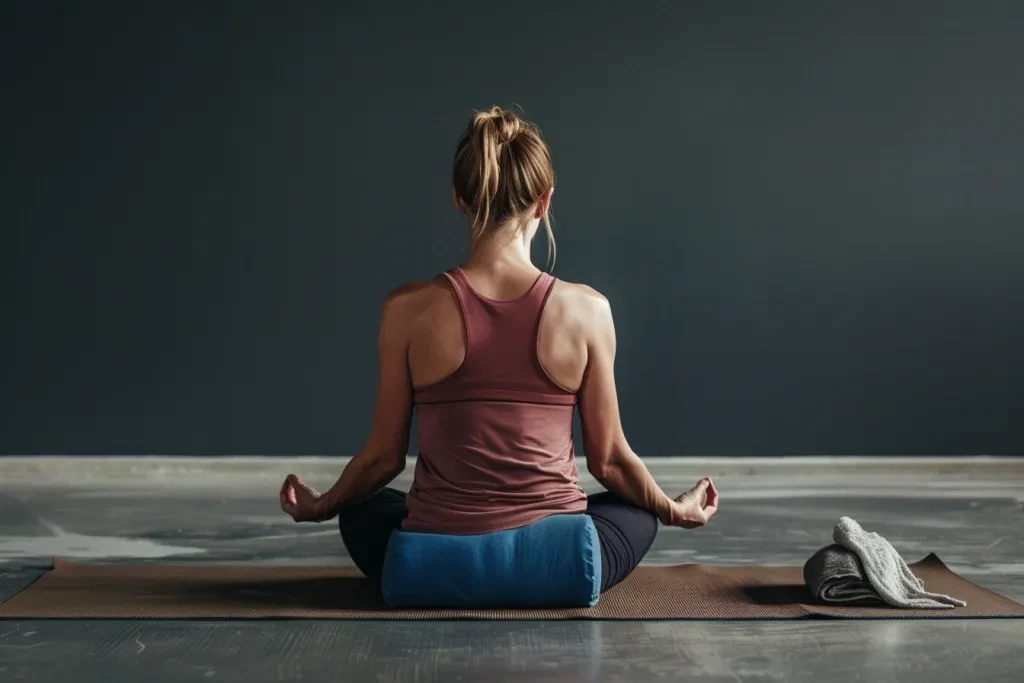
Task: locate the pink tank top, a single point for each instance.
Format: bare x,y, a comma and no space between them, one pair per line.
495,437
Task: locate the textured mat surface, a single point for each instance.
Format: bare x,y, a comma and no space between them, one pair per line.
79,591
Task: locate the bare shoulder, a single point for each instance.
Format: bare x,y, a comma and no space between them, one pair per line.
581,303
582,314
409,304
414,295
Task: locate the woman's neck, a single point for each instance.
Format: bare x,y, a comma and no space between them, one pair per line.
500,250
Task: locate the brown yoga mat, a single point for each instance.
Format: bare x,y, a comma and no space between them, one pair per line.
183,591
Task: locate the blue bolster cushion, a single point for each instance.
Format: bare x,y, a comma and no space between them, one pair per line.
555,562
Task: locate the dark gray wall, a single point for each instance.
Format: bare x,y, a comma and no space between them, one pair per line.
807,216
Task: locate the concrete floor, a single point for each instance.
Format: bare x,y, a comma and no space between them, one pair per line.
773,511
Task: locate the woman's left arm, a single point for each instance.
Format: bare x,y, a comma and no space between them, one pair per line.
383,457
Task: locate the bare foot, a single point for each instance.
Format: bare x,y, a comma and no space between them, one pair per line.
695,507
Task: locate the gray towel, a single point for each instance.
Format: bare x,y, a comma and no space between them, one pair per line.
865,565
836,576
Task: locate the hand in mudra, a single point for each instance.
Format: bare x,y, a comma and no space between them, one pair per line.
695,507
303,502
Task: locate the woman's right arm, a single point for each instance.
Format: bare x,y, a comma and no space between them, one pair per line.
609,457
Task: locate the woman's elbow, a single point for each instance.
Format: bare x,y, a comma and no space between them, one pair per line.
599,465
606,460
391,466
381,465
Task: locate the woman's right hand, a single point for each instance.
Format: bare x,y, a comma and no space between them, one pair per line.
302,502
695,507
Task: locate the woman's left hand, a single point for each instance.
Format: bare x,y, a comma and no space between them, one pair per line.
302,502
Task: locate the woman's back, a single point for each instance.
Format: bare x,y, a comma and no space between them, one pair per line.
495,357
437,335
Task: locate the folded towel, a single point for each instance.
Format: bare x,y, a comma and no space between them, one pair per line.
835,576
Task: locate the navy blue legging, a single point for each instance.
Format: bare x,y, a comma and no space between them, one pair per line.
625,531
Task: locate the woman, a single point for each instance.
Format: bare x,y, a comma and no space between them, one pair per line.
494,356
